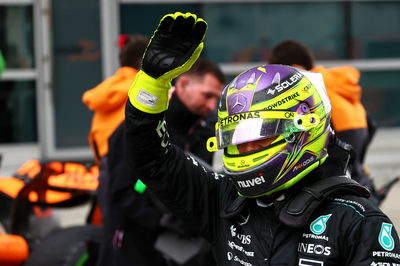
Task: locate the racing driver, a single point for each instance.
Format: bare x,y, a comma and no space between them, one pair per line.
285,197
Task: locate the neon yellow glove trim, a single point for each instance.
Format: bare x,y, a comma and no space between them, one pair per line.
148,94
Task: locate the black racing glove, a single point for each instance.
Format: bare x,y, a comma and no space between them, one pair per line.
173,49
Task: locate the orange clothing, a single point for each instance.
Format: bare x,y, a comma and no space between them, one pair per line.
108,100
14,250
345,94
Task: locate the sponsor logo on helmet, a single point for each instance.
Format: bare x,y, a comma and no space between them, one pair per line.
286,84
284,100
385,237
303,164
308,87
289,115
243,164
240,103
251,182
238,117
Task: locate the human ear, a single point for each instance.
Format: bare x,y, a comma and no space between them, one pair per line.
182,82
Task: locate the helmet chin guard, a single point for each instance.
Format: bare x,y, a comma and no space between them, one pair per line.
274,174
272,101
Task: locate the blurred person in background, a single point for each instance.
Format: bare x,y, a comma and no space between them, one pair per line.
349,117
108,99
107,117
192,108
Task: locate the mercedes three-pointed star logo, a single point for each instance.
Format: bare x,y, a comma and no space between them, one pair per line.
239,103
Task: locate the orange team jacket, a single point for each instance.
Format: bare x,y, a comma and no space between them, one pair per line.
345,94
107,100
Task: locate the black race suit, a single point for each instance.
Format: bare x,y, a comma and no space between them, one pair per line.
344,230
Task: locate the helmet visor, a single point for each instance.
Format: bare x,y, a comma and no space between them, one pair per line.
255,125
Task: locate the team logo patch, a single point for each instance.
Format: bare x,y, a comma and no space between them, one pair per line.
240,103
319,224
385,237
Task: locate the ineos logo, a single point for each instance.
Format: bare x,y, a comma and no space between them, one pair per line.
314,249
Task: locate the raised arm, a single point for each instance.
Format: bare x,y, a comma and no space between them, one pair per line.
186,187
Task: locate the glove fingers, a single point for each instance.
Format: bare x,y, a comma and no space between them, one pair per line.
199,30
175,46
183,25
178,27
187,27
165,25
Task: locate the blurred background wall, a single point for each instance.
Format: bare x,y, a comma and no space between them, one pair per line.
55,50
